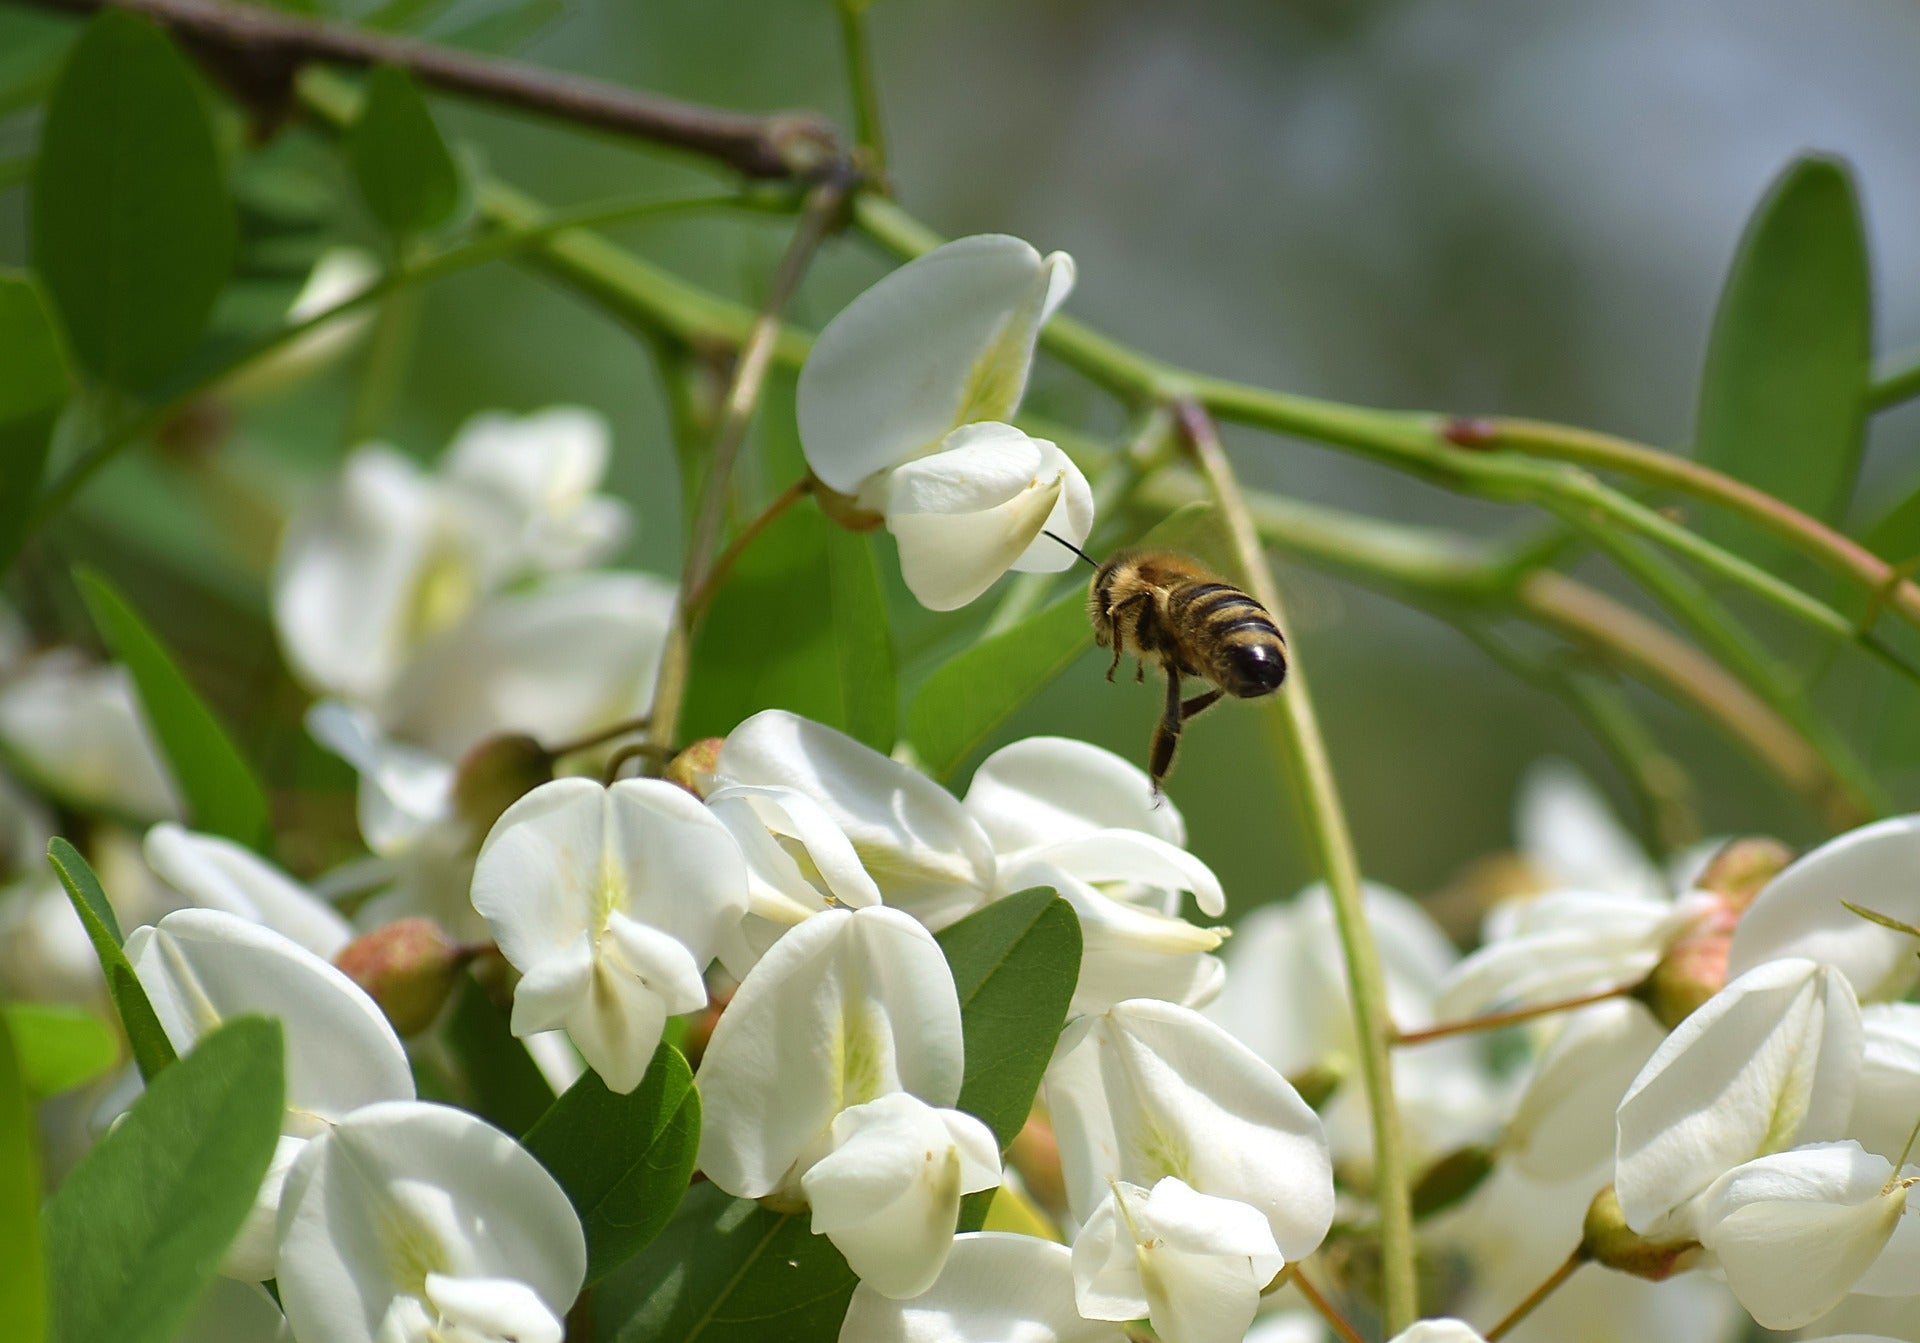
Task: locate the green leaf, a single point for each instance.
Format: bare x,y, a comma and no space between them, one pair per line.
1783,395
498,1080
961,704
32,46
406,174
59,1047
799,624
623,1160
1015,964
23,1284
136,1232
132,229
152,1051
33,388
727,1270
223,795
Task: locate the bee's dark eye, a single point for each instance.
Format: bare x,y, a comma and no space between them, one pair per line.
1258,669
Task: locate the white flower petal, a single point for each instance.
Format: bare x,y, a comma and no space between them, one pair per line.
251,1256
481,1310
1043,789
996,1288
943,341
216,873
1564,944
842,1010
924,852
1149,1089
778,830
1563,1125
540,471
1566,829
1767,1063
965,514
78,731
1794,1231
1799,913
1887,1102
1071,518
1131,858
401,1190
1438,1331
404,791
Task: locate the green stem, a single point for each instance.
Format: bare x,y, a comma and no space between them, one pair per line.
385,369
863,89
1895,381
1296,731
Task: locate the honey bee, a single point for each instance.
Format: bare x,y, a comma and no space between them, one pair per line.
1173,611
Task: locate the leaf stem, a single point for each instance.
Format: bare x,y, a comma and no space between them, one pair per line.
863,89
1538,1295
1327,1311
1304,751
1494,1021
767,516
1895,381
825,206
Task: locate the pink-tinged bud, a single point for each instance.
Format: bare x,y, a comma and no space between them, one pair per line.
1695,966
1607,1239
1035,1154
844,509
408,967
700,1027
494,775
693,769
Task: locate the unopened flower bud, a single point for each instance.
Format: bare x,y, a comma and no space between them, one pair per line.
1035,1154
693,769
1738,871
408,967
494,775
1451,1179
1607,1239
1695,966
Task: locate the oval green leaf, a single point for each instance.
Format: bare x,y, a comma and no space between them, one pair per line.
132,229
1783,395
498,1079
152,1051
59,1047
23,1285
222,793
406,174
33,389
623,1160
136,1232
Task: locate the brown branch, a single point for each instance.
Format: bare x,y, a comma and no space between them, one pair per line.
258,51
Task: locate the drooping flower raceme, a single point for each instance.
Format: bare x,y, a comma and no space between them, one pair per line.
828,1083
902,407
995,1288
1157,1108
611,903
202,966
416,1223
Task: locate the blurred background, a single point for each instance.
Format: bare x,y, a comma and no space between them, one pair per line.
1468,205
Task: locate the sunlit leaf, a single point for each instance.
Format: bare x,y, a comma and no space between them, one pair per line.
137,1230
1783,395
406,174
1014,965
33,387
800,624
132,229
727,1270
59,1047
152,1051
623,1160
23,1287
223,794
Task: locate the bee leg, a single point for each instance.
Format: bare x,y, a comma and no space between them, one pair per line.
1114,666
1166,735
1139,670
1199,704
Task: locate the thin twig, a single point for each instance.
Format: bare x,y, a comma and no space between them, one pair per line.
1537,1295
1327,1311
825,206
263,50
863,88
1493,1021
765,518
1304,751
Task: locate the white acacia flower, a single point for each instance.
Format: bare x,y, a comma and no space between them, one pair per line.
829,1082
1799,913
1887,1102
799,862
1769,1062
416,1223
922,850
610,902
1565,829
995,1288
1438,1331
902,403
76,730
202,966
1148,1089
215,873
1191,1263
1796,1231
1040,790
391,553
1563,1125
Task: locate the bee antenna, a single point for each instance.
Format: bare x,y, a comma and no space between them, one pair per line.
1071,546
